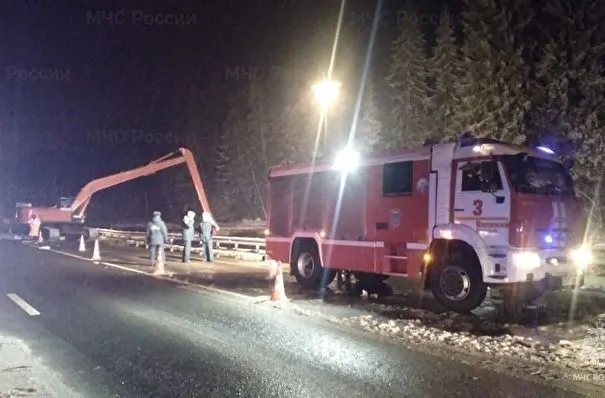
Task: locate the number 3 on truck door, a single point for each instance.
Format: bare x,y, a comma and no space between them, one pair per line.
477,207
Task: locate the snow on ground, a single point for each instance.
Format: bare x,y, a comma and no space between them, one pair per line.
543,342
19,375
585,356
584,360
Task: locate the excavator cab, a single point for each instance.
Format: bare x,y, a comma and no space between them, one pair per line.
65,202
23,212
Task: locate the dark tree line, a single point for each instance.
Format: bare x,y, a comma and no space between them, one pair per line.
509,69
499,69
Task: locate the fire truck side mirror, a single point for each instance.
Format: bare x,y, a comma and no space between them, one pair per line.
488,172
487,186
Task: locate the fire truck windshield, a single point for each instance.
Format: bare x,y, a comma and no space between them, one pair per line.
533,175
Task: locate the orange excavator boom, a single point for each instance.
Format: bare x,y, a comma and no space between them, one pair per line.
183,155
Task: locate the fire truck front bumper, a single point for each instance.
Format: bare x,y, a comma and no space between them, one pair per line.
549,268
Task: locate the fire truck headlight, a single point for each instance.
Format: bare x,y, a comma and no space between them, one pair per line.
581,257
526,260
347,160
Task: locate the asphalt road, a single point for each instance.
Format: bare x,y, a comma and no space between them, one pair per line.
110,333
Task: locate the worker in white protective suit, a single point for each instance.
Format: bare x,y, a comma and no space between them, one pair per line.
188,231
34,226
208,227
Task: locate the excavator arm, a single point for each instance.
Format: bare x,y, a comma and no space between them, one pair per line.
183,155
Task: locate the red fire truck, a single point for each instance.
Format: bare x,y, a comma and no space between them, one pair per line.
461,216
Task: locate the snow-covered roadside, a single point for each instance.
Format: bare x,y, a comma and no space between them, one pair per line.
538,357
576,361
19,371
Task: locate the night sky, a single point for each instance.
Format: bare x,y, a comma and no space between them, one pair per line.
66,75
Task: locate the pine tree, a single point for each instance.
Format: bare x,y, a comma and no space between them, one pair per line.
494,90
262,150
298,124
370,124
569,88
229,175
408,78
296,120
258,132
249,148
446,72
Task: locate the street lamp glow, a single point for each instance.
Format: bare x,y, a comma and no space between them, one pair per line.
326,92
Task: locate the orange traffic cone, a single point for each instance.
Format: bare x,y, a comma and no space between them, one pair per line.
159,264
272,270
96,254
278,291
82,247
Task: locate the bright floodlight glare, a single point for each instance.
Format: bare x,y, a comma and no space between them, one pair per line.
546,150
326,92
582,257
347,160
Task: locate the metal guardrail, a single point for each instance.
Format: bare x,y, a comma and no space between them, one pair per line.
254,246
234,243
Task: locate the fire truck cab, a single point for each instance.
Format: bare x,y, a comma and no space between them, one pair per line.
461,216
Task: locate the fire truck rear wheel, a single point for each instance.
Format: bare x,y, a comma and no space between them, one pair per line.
307,268
458,283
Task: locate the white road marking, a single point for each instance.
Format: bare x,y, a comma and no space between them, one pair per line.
123,268
31,311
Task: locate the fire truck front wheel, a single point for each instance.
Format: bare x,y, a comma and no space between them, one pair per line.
457,282
307,268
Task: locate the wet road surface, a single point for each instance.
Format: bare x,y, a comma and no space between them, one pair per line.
106,332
